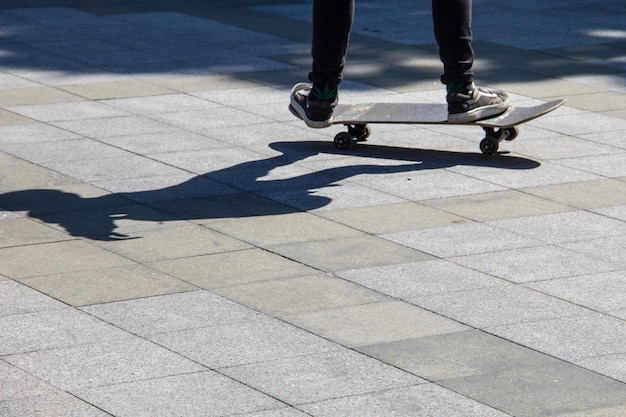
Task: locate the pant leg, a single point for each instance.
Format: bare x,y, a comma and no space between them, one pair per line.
453,31
332,22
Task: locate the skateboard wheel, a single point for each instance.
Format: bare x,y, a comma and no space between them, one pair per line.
343,141
511,133
489,145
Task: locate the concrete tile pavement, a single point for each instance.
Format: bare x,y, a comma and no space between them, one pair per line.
174,242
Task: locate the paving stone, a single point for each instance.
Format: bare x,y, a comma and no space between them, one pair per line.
374,323
64,151
497,205
10,118
404,281
68,111
325,376
173,243
172,312
584,195
611,165
232,268
608,249
616,212
33,133
106,285
455,355
301,294
452,240
205,393
574,337
600,292
35,95
114,126
419,400
282,229
19,299
551,388
397,217
53,329
17,384
283,412
115,89
155,143
108,363
57,403
163,103
349,253
613,366
21,231
562,228
221,346
496,305
56,258
428,185
535,264
547,173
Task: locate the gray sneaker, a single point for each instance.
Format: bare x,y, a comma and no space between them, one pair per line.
476,103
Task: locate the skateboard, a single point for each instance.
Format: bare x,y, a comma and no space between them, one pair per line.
357,118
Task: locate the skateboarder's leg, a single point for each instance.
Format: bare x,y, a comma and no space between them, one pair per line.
332,21
453,32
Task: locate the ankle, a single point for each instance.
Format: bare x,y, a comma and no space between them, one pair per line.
323,92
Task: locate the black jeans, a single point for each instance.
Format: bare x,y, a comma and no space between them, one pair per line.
332,22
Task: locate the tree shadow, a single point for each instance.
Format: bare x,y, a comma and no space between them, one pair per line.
94,217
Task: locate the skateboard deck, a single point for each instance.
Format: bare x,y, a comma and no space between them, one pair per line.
498,128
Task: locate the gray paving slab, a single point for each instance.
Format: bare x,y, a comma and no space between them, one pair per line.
55,403
103,364
453,240
419,400
53,329
208,393
496,305
172,243
425,278
172,312
19,299
56,258
548,389
574,337
497,205
301,294
603,292
565,227
348,253
221,346
232,268
106,285
323,376
397,217
374,323
540,263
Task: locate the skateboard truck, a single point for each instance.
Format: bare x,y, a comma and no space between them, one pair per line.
490,144
355,133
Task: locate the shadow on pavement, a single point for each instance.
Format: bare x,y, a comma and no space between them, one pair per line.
94,218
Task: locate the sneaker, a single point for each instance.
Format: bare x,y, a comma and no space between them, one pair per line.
314,104
475,103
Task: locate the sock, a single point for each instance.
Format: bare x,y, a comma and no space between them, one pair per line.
457,88
323,92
